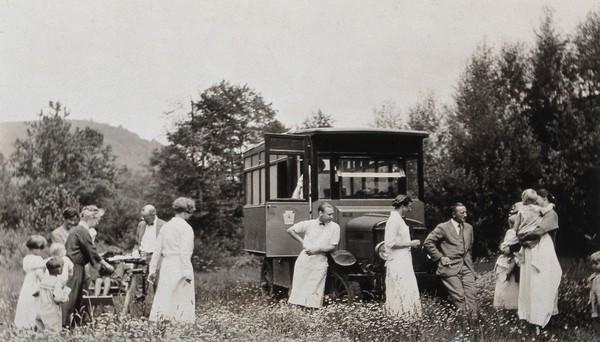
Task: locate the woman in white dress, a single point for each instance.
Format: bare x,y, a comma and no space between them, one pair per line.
174,299
402,292
540,270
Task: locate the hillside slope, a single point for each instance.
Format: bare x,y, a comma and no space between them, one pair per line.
131,150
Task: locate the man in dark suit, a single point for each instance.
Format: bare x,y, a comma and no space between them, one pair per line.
449,244
145,239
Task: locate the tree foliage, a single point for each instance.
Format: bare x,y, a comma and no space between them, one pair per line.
564,102
56,166
317,120
387,116
521,118
203,158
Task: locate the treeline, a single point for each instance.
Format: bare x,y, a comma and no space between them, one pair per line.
521,118
56,166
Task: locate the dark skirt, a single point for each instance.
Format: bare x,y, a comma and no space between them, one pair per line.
76,283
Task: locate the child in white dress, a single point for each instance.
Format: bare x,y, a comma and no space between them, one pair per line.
35,267
52,292
59,250
506,294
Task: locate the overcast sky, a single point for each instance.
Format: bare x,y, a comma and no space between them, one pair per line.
127,62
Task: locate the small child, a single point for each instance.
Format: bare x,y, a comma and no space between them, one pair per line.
103,281
58,250
52,292
594,280
507,283
35,267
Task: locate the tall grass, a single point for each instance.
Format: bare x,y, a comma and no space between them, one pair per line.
231,307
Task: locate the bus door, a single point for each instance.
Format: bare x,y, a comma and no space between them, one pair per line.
287,197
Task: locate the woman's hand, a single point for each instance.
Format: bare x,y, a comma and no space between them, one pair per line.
109,268
415,243
445,261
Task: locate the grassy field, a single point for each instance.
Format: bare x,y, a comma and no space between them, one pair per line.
231,307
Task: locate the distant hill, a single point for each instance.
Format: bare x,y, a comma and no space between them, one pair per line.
131,150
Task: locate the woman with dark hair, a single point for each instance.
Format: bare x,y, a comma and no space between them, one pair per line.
540,270
402,292
174,298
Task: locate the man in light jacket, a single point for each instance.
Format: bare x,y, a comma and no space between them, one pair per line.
450,244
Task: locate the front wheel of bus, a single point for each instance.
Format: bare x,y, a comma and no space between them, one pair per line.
339,288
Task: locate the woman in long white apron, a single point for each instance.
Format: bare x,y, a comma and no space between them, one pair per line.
401,289
540,270
174,299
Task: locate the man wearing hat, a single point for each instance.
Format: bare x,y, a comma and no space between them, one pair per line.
449,244
71,219
320,236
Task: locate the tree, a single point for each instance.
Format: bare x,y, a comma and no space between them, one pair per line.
387,116
58,167
204,157
491,139
565,117
426,116
11,210
317,120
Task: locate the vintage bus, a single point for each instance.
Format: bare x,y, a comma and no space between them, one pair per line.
359,172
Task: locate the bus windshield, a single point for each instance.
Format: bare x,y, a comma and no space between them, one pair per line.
375,178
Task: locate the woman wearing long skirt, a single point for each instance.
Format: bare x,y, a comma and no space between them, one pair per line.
540,269
402,291
174,299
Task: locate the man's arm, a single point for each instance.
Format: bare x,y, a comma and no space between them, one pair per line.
295,235
335,240
431,242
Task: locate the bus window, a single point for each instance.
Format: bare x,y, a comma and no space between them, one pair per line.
285,177
370,178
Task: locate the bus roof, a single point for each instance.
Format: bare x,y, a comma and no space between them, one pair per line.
340,131
331,130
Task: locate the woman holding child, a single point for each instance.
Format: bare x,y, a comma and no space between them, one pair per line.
540,270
